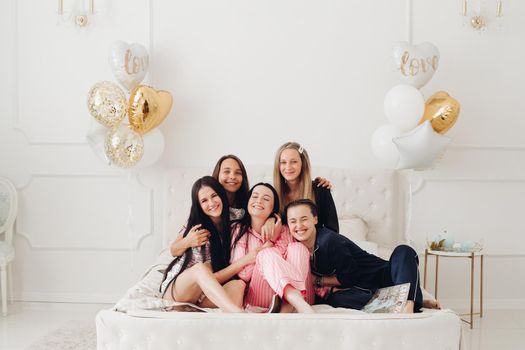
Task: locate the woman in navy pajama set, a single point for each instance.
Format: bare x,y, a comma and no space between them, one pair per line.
345,275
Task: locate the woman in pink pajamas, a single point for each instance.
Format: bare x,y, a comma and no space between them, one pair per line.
282,267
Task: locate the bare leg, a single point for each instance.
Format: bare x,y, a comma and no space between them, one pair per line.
287,308
234,289
197,279
296,299
409,307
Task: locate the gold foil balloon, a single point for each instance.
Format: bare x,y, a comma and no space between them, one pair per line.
148,108
442,111
107,103
124,147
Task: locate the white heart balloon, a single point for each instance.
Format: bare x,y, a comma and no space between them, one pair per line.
129,63
416,63
153,148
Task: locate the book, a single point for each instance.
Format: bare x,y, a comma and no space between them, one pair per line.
183,307
388,300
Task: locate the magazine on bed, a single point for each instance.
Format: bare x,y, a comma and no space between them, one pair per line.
388,300
184,307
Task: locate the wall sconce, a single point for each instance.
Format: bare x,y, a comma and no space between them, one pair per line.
79,13
478,16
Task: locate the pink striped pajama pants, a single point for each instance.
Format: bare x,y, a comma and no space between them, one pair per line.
272,273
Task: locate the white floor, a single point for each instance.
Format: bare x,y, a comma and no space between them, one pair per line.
29,322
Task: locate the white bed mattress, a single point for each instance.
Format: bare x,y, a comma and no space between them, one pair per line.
374,195
438,330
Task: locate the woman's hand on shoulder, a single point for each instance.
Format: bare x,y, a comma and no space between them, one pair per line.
322,182
267,230
197,236
250,257
271,229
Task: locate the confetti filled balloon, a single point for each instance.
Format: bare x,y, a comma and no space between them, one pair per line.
124,147
107,103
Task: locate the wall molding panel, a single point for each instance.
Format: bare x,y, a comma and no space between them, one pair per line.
79,203
470,209
502,148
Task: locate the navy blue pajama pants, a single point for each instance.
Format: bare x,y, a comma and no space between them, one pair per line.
401,268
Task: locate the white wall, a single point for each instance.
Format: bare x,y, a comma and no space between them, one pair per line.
247,76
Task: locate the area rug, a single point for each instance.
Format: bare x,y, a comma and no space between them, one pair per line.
75,335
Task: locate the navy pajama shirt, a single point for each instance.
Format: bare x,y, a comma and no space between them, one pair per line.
362,273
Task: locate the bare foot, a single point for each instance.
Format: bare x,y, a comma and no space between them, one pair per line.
431,304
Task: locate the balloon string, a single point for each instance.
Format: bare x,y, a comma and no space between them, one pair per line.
409,21
131,240
409,209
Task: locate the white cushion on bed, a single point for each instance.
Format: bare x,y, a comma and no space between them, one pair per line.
354,228
368,246
145,293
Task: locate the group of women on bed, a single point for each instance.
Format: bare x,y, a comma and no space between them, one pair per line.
234,253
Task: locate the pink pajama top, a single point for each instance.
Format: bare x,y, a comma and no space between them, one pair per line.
251,240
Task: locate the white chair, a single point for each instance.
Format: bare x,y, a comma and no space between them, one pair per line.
8,211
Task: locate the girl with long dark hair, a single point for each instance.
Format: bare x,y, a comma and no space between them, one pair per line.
197,274
281,267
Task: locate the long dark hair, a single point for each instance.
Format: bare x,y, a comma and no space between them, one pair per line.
241,196
246,221
220,237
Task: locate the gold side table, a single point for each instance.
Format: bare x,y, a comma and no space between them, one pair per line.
468,255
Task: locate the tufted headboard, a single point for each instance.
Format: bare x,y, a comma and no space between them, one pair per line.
372,194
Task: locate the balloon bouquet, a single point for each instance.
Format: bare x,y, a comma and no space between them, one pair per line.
137,141
414,137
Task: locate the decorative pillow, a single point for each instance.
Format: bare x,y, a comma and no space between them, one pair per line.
354,227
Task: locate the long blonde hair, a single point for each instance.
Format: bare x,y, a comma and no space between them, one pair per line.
305,177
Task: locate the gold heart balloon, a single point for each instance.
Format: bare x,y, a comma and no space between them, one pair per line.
442,111
148,108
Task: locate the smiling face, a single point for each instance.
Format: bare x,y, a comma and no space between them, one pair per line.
302,223
230,175
210,202
261,202
290,164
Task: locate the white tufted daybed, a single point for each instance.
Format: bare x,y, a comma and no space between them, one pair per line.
370,206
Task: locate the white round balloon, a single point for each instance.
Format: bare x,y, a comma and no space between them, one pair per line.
153,148
382,145
129,63
404,106
96,138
